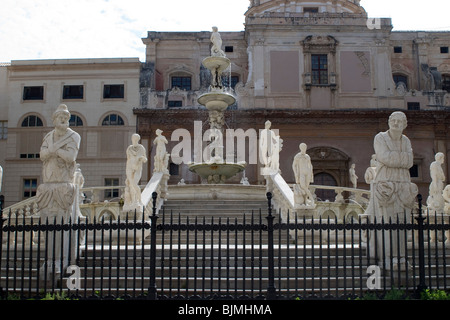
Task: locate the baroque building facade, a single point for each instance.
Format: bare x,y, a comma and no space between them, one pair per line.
321,71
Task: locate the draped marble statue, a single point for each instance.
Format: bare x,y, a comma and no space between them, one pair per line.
161,158
304,176
136,157
270,145
57,195
435,200
393,195
353,176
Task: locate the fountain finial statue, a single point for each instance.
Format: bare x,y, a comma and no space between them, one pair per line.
216,39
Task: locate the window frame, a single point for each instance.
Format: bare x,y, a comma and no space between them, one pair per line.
3,129
120,96
38,121
187,87
319,70
66,87
31,189
397,75
112,192
75,120
30,98
446,82
107,123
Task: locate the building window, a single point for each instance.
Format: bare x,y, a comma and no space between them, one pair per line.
174,169
399,78
319,68
32,121
113,91
75,121
73,92
444,49
413,105
398,49
414,171
113,192
184,83
226,80
33,93
113,120
29,188
29,156
229,49
325,179
3,130
175,104
446,82
311,10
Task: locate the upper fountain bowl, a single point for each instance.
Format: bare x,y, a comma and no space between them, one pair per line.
216,64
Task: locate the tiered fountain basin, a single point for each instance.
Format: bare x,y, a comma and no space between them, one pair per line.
218,171
216,101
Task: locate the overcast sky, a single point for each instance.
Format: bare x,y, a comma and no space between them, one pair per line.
60,29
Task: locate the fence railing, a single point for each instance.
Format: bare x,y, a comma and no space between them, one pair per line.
248,256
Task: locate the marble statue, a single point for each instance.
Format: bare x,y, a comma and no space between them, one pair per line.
161,156
216,40
78,181
393,195
57,194
58,153
276,149
435,200
304,176
353,176
269,146
136,157
446,196
371,171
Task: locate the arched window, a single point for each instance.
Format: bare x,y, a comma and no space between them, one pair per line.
75,121
325,179
400,78
113,120
32,121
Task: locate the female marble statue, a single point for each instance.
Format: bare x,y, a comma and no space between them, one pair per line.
161,156
216,39
136,157
353,176
435,201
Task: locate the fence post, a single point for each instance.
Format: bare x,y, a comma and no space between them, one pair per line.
271,295
420,219
152,294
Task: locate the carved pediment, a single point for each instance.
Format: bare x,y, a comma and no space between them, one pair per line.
319,42
327,154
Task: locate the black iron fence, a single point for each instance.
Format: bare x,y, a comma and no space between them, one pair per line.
249,256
